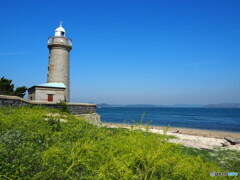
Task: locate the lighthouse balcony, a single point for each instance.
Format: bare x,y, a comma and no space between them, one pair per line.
59,40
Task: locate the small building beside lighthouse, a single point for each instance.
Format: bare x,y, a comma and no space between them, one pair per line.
57,87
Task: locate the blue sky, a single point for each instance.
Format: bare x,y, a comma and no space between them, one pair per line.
129,51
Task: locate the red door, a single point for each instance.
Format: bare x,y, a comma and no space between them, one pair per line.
50,97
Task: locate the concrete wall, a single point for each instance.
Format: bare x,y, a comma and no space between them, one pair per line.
75,108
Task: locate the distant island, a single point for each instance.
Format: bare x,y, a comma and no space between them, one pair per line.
186,105
143,105
149,105
128,105
223,105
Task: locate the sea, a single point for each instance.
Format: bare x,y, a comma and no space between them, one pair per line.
220,119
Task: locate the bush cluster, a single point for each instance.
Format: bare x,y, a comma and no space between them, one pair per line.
32,147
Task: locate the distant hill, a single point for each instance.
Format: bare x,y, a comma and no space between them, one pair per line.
110,105
143,105
127,105
223,105
186,105
150,105
103,105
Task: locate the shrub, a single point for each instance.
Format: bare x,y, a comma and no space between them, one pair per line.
31,148
62,105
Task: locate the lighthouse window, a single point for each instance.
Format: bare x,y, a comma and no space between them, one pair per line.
62,33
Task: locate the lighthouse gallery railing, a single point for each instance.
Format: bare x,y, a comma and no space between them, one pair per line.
59,39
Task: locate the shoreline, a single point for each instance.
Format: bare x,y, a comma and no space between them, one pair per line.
195,138
187,131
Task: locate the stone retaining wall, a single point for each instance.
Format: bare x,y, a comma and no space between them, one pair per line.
75,108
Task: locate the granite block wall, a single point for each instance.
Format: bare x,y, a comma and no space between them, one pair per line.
75,108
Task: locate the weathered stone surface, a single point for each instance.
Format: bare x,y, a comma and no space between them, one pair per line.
226,143
176,131
93,118
81,109
12,101
58,71
75,108
232,141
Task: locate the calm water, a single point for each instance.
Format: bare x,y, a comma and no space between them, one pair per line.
199,118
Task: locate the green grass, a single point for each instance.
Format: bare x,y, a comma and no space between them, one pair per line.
33,148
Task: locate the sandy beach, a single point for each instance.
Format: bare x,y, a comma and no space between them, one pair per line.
196,138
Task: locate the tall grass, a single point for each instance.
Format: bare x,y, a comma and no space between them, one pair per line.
33,148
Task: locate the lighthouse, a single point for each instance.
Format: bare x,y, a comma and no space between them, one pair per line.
58,65
57,87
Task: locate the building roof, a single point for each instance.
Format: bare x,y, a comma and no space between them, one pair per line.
57,85
51,85
60,29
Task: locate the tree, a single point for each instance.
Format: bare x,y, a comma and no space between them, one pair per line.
20,91
7,88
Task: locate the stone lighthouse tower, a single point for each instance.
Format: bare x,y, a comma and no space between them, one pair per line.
57,87
58,66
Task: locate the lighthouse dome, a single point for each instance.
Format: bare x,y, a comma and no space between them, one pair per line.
60,31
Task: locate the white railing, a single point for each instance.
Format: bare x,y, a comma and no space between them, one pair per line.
56,39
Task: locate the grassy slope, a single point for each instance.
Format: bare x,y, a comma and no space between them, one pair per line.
31,148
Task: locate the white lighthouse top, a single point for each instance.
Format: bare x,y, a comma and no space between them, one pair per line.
60,31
